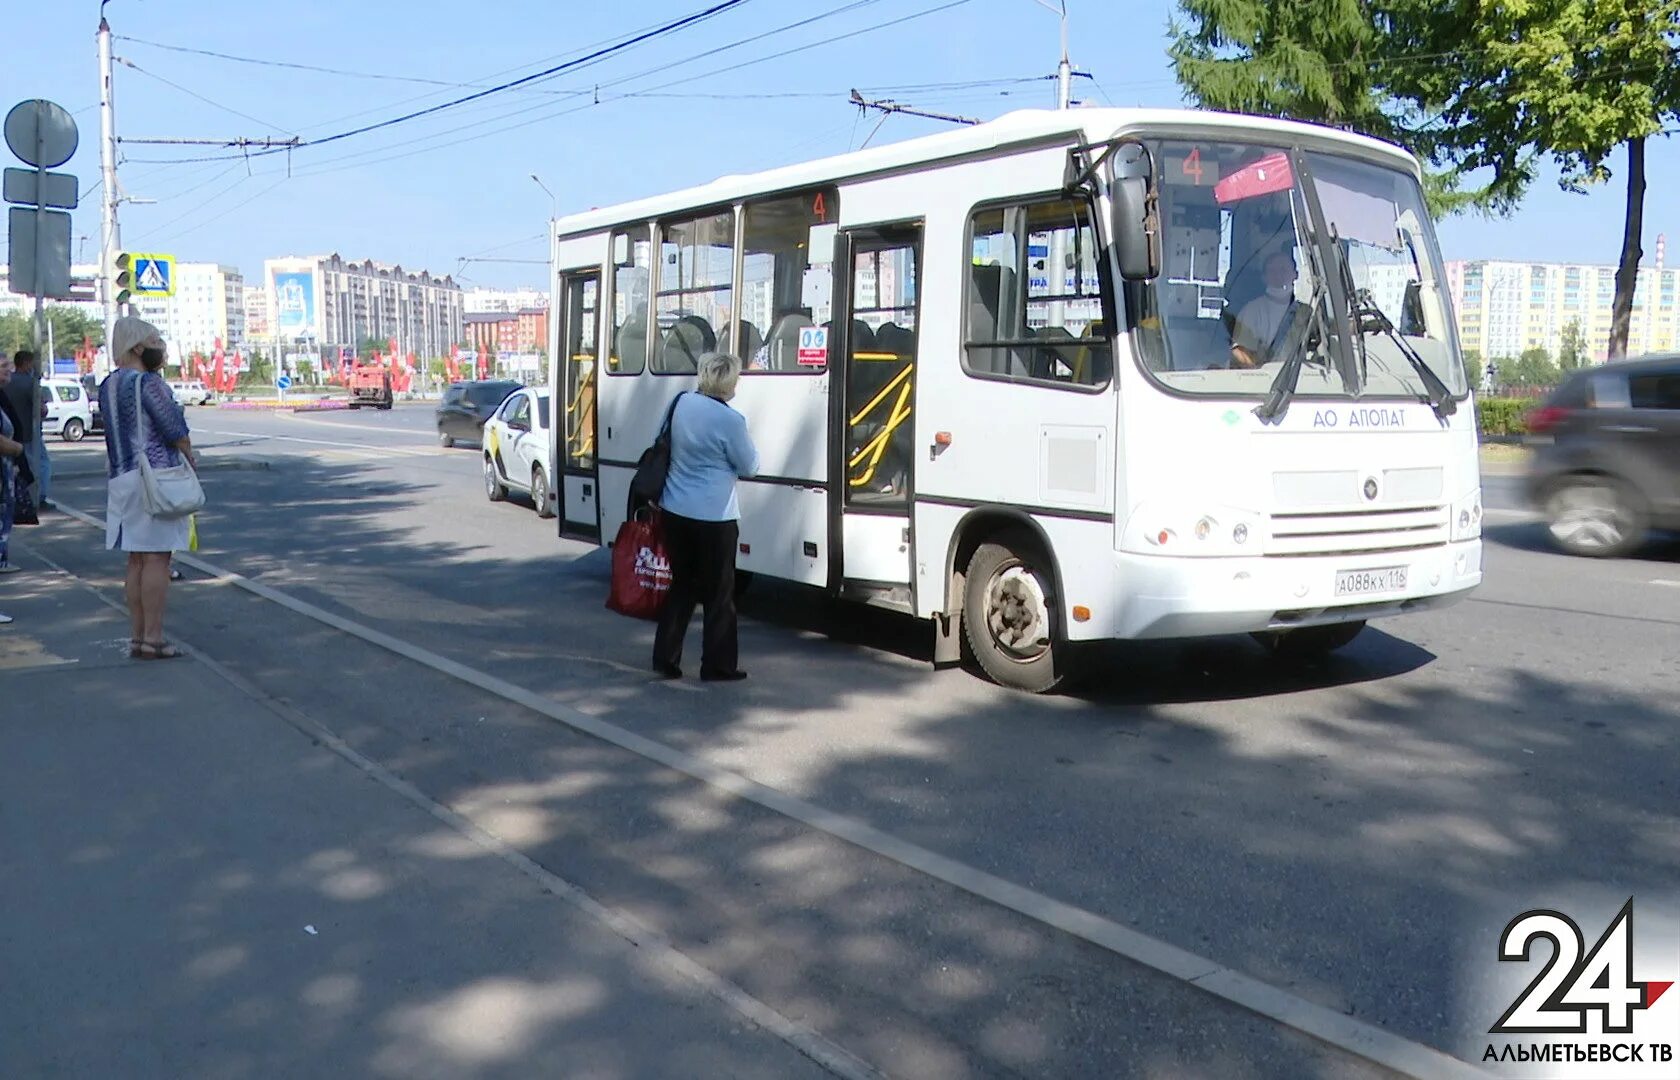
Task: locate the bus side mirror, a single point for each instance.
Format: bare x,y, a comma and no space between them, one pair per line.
1137,228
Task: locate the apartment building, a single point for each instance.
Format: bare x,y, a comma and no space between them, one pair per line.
322,301
208,306
1504,308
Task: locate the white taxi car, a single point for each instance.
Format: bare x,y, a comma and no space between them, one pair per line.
516,450
68,407
191,392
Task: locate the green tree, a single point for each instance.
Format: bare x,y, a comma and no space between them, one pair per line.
371,345
1332,62
1533,368
1570,353
1573,80
1473,367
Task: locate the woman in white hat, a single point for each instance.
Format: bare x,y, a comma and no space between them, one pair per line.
138,351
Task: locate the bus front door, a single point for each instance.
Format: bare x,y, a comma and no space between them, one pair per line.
574,407
873,414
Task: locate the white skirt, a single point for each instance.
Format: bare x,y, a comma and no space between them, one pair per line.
128,527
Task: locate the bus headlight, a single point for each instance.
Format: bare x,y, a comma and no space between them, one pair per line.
1467,516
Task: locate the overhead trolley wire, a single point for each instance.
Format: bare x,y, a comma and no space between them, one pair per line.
546,73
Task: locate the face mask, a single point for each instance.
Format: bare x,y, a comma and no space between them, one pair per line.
152,358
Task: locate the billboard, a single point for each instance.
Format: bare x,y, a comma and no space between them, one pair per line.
294,304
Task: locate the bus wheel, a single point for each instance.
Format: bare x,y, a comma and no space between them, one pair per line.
1311,642
494,489
1009,617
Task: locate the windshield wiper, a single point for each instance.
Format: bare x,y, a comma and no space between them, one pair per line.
1302,318
1368,318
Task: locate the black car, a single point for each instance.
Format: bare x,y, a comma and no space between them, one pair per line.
1606,465
465,407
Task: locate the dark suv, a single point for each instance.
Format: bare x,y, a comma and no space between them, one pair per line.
465,407
1606,466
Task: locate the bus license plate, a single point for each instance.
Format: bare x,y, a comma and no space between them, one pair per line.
1364,582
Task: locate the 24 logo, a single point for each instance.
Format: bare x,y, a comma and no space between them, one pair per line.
1571,986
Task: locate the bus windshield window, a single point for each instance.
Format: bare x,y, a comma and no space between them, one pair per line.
1381,225
787,281
1238,273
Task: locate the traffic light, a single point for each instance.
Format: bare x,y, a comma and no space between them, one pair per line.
122,279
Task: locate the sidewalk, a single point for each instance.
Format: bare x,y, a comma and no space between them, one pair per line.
195,887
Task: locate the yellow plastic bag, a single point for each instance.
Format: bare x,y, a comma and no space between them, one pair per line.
192,532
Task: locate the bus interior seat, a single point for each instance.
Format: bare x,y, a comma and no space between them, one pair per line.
784,341
991,315
1050,360
689,338
630,344
741,339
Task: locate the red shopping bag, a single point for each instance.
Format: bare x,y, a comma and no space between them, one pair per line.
641,570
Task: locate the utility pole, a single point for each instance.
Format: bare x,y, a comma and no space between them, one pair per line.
109,237
1064,70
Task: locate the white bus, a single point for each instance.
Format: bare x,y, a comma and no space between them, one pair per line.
1064,376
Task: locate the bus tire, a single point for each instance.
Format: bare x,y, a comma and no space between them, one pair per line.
1311,642
1009,617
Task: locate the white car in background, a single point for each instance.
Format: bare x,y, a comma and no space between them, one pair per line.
516,450
191,392
69,409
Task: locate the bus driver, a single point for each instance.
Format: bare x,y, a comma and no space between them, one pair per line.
1258,323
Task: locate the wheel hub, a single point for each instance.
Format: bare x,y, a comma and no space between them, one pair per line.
1587,517
1017,613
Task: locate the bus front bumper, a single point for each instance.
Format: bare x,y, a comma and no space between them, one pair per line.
1202,597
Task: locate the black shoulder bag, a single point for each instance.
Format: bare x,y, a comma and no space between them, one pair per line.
648,485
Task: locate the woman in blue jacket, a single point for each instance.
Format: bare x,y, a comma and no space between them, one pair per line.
710,450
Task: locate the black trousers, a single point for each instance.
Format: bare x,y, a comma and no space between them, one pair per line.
702,555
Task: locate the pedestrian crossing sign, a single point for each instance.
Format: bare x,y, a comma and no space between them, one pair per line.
154,275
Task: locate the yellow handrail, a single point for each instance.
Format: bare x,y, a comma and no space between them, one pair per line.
876,448
885,390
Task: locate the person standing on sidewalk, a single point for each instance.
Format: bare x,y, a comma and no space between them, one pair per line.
11,451
136,387
25,392
710,450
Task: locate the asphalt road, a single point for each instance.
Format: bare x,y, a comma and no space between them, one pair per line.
1355,834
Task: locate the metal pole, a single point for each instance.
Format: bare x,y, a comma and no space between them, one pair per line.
110,237
1064,70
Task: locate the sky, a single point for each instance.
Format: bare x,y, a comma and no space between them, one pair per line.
457,185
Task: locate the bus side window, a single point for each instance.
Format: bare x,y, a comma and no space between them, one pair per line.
628,354
1035,310
787,280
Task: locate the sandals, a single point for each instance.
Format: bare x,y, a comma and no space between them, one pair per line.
161,650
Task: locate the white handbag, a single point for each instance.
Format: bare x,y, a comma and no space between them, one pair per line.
172,492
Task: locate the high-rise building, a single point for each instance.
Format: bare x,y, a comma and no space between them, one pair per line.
208,306
1504,308
480,300
321,301
256,315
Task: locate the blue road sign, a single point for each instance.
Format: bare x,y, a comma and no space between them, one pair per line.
284,382
154,275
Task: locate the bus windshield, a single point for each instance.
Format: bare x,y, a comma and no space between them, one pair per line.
1243,287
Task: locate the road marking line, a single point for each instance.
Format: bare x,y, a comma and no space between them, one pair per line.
1666,581
432,452
1356,1037
432,437
653,947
